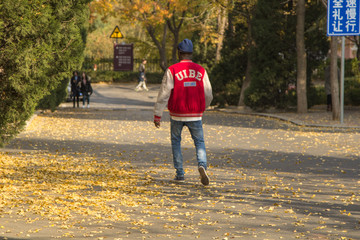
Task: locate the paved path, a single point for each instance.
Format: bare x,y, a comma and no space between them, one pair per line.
122,96
104,173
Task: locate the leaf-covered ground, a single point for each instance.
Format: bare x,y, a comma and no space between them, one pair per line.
105,174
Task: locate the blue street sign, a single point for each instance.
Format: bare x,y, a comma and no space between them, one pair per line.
343,18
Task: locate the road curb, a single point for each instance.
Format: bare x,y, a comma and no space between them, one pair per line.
285,119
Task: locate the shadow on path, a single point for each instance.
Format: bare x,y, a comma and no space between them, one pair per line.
261,190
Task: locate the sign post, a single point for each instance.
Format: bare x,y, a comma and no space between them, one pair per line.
343,19
123,57
123,53
116,33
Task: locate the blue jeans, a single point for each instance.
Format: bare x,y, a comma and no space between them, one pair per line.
142,77
197,134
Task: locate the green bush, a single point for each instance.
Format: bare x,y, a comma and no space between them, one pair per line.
40,45
55,97
228,95
354,97
352,91
355,67
227,76
317,95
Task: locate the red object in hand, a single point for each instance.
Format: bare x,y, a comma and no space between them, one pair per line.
157,120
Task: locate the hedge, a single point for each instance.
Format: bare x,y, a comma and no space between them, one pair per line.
41,42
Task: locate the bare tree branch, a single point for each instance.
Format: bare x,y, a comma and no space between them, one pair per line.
324,2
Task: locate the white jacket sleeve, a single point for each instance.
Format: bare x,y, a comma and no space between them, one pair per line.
207,90
164,94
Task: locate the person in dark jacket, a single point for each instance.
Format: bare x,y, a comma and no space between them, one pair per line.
142,77
86,89
75,88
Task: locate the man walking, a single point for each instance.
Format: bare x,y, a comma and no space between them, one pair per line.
186,90
142,77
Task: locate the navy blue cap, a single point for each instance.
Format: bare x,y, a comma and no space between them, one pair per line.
186,46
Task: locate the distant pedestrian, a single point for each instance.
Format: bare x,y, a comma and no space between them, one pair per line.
86,89
142,77
186,90
75,88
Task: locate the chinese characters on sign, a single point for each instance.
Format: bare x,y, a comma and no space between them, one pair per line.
123,57
343,17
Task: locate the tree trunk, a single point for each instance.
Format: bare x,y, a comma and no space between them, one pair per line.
246,83
161,46
222,22
247,80
301,58
175,29
175,46
334,79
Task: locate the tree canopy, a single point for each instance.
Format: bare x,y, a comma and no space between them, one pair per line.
241,44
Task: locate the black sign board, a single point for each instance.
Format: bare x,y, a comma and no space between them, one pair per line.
123,57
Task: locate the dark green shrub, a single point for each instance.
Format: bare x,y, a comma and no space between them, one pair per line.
40,45
55,97
316,96
227,76
352,91
354,95
291,98
228,95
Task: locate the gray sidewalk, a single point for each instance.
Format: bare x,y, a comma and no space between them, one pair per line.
123,96
120,96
